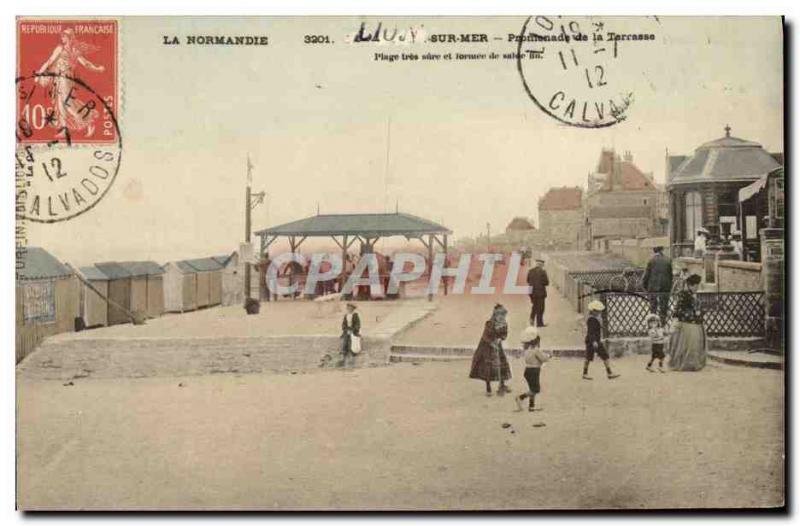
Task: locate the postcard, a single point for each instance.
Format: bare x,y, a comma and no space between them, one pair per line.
421,263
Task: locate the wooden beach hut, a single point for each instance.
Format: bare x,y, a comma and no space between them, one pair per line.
120,292
93,307
209,281
147,286
47,299
180,287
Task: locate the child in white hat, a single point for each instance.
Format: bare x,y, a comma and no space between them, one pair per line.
594,340
535,358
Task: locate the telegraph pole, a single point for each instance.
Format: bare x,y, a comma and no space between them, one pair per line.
249,204
488,238
247,209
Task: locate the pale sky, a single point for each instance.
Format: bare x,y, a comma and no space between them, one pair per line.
467,144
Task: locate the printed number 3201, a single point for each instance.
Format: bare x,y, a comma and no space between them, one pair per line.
317,39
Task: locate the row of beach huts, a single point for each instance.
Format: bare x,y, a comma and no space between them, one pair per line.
50,297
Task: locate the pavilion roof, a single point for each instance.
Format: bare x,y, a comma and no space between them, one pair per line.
366,225
725,159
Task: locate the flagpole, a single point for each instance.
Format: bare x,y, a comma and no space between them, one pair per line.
386,173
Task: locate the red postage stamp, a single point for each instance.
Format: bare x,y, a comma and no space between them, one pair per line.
67,81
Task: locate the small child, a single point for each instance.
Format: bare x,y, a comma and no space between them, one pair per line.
594,344
535,359
657,337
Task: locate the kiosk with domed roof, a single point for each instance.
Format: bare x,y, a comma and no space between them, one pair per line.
704,192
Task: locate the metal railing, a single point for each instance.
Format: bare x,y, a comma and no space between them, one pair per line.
629,279
727,314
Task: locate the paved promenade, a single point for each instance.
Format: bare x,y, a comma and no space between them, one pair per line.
459,320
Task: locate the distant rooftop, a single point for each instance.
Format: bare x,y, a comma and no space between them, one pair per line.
520,223
563,198
621,172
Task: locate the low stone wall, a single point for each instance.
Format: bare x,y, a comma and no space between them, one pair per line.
148,357
739,276
731,275
637,251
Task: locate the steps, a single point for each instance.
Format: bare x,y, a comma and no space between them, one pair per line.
758,360
431,353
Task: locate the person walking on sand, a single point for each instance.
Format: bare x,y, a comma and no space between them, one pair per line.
538,281
594,343
535,359
489,363
351,335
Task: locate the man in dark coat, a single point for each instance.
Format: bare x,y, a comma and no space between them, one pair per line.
658,280
538,281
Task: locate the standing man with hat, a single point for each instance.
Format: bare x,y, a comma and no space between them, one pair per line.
658,281
538,281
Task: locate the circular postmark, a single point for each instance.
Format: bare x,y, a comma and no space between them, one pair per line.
571,68
64,163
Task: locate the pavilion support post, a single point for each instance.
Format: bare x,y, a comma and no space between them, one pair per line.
292,248
430,263
444,238
343,274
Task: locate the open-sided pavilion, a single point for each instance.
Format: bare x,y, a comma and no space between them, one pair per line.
346,229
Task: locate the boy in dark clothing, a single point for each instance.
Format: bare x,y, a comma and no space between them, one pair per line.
594,344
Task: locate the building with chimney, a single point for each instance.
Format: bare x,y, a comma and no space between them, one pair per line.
622,201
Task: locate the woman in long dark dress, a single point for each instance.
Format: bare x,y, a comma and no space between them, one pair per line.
489,363
687,349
